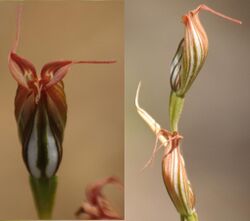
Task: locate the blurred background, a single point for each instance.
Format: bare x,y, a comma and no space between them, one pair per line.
94,135
215,122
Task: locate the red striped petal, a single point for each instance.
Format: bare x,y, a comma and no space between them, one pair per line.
22,70
55,71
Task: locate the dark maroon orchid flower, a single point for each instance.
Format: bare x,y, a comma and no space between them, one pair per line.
41,109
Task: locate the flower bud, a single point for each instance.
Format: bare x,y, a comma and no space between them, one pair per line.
192,51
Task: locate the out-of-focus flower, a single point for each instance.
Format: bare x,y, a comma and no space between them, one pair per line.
97,206
173,166
192,51
41,109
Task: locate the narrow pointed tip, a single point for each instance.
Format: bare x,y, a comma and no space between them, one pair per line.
111,62
155,127
44,191
206,8
95,62
137,95
18,26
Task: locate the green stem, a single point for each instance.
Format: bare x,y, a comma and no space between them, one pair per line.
44,191
176,104
193,217
175,109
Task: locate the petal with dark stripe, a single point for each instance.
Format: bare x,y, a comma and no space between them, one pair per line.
176,181
176,68
22,70
192,52
41,127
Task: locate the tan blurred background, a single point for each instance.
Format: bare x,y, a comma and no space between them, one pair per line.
94,144
215,123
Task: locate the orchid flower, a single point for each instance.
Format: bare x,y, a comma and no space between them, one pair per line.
96,206
40,109
173,166
192,51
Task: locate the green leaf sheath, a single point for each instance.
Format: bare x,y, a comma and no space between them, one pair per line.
44,191
175,109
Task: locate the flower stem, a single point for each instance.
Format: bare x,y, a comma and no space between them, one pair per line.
193,217
175,109
44,191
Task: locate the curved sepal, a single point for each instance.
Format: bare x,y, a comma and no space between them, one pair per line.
22,70
55,71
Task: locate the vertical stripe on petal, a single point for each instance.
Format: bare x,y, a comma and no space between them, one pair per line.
176,67
176,181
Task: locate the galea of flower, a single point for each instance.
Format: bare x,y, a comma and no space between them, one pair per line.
192,51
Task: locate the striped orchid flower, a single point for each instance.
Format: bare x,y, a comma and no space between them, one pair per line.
96,206
192,51
173,166
40,109
175,176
